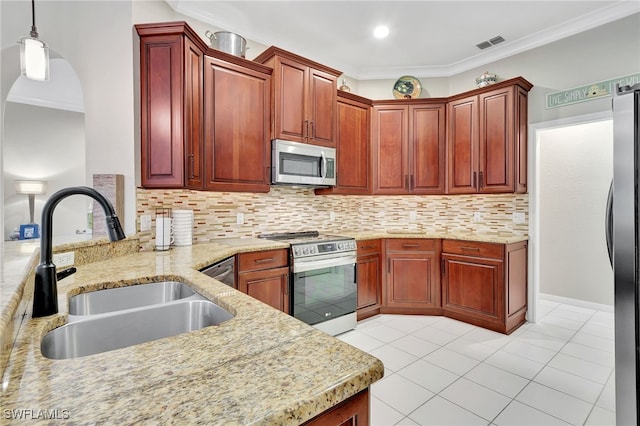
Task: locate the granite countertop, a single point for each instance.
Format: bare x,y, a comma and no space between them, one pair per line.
418,233
262,366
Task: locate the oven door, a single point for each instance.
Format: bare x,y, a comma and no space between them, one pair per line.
323,288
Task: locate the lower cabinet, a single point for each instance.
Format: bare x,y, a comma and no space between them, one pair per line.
369,280
264,275
412,276
485,284
353,411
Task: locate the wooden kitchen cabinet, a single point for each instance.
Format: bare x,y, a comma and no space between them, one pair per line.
412,278
205,114
304,98
353,411
236,127
264,275
485,284
369,266
487,145
353,146
170,101
408,140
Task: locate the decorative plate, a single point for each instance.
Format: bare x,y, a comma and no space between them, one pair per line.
407,87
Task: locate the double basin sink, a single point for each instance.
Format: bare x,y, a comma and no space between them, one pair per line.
116,318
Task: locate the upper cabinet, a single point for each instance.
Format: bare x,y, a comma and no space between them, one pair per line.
408,141
204,113
170,102
304,98
353,146
236,127
487,139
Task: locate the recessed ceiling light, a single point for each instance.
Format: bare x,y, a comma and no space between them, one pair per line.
381,31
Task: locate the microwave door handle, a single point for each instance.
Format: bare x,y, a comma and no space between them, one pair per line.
323,166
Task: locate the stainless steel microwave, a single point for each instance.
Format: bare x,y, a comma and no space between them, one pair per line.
295,163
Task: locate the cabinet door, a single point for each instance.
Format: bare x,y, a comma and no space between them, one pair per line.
413,280
390,146
161,97
351,412
270,286
521,132
462,146
427,149
236,127
290,112
193,104
321,107
496,141
369,290
353,159
474,288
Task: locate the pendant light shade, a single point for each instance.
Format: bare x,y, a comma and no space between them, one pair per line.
34,53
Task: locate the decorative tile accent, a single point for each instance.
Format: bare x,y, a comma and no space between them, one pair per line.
286,209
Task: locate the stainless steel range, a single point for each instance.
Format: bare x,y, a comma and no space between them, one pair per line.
323,287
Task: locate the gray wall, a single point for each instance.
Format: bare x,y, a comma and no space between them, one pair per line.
576,167
43,144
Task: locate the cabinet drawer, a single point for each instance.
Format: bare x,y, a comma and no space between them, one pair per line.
473,248
368,247
411,244
259,260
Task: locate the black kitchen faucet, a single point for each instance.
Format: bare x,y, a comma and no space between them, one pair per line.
45,297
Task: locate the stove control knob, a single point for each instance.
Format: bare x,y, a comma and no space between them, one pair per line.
341,246
352,245
314,250
305,250
296,251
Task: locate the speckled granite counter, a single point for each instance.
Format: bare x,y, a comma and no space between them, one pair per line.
261,367
404,233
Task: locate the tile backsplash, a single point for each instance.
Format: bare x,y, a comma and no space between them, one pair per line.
286,209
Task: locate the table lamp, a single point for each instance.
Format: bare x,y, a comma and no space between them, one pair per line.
30,188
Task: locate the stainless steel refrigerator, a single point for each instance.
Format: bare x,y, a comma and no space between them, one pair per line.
623,240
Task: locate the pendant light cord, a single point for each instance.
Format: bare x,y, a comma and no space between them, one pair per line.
34,30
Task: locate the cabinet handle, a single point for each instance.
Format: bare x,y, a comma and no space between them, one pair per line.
443,267
406,181
192,163
470,248
306,129
388,266
286,285
475,181
367,247
412,183
271,259
313,130
481,181
407,245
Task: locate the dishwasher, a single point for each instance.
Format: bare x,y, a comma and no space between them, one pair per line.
223,271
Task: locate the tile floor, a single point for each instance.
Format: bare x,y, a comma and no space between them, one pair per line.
439,371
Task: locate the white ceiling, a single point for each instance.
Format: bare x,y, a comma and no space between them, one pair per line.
62,91
428,38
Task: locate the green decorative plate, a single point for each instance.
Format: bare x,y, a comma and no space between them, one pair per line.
407,87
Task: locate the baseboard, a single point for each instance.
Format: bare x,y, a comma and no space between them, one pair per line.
576,302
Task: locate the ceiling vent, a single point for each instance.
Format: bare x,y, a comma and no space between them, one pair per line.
491,42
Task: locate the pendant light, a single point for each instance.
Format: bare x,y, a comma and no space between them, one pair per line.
34,53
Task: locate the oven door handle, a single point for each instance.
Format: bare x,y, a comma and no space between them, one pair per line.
303,265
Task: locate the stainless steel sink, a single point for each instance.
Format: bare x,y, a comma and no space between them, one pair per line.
106,332
134,296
